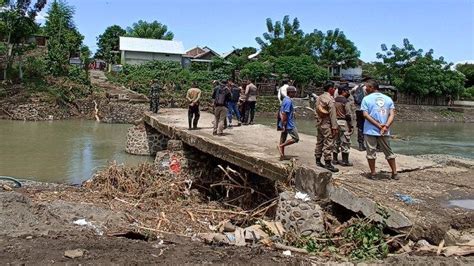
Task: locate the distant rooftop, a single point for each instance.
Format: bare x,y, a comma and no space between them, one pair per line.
151,45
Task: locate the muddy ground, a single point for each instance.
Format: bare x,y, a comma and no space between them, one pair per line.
37,227
107,250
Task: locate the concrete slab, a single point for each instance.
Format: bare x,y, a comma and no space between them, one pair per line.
254,148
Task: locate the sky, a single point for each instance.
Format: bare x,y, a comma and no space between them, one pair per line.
447,26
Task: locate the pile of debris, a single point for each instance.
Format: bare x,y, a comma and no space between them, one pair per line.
156,203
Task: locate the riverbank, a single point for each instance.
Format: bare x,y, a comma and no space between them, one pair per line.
96,106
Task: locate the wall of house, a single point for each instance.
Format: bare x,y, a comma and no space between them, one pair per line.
136,58
351,71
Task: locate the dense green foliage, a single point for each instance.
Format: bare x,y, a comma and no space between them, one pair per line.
468,71
239,58
331,48
255,70
415,72
47,72
17,23
285,38
64,39
468,94
108,44
431,77
169,74
282,38
150,30
301,69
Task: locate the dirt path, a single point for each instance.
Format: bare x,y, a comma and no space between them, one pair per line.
99,79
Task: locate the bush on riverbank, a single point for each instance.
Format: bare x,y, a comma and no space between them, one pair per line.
170,75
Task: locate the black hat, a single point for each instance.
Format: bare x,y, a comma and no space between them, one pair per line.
343,87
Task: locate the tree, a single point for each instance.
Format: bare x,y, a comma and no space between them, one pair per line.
240,57
397,59
468,72
428,76
282,38
415,72
255,70
301,69
150,30
374,70
17,23
332,48
64,39
108,44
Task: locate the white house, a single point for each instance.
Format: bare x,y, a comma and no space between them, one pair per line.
137,51
351,73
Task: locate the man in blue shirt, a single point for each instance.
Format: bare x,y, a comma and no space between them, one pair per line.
286,122
379,112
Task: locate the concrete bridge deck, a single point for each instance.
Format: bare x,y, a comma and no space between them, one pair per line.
254,148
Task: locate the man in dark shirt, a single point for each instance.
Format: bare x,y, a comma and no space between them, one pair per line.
221,96
345,122
154,96
232,105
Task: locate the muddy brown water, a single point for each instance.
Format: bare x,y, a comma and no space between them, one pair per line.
61,151
72,151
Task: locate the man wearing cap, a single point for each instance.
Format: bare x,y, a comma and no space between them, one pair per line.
286,122
345,120
327,128
358,93
283,90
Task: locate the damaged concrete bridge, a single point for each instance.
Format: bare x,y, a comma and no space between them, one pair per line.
253,148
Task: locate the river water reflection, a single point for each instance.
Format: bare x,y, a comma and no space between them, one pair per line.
61,151
71,151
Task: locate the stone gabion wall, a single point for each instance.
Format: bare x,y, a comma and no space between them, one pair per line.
121,112
144,140
37,111
190,159
305,218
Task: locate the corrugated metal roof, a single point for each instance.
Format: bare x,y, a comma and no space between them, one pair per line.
151,45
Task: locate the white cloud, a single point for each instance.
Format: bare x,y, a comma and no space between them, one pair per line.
41,17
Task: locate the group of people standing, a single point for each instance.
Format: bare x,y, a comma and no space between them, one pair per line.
229,100
338,110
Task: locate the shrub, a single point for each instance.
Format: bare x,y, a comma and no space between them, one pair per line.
468,94
35,68
78,74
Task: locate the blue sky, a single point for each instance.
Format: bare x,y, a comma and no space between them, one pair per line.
447,26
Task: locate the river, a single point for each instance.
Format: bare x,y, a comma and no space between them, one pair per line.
415,138
71,151
61,151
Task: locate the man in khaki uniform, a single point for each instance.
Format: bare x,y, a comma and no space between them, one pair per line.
345,121
193,95
327,127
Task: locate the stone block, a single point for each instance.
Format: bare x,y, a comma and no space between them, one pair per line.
175,145
143,140
305,218
312,181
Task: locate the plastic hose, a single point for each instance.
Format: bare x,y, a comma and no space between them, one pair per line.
8,178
